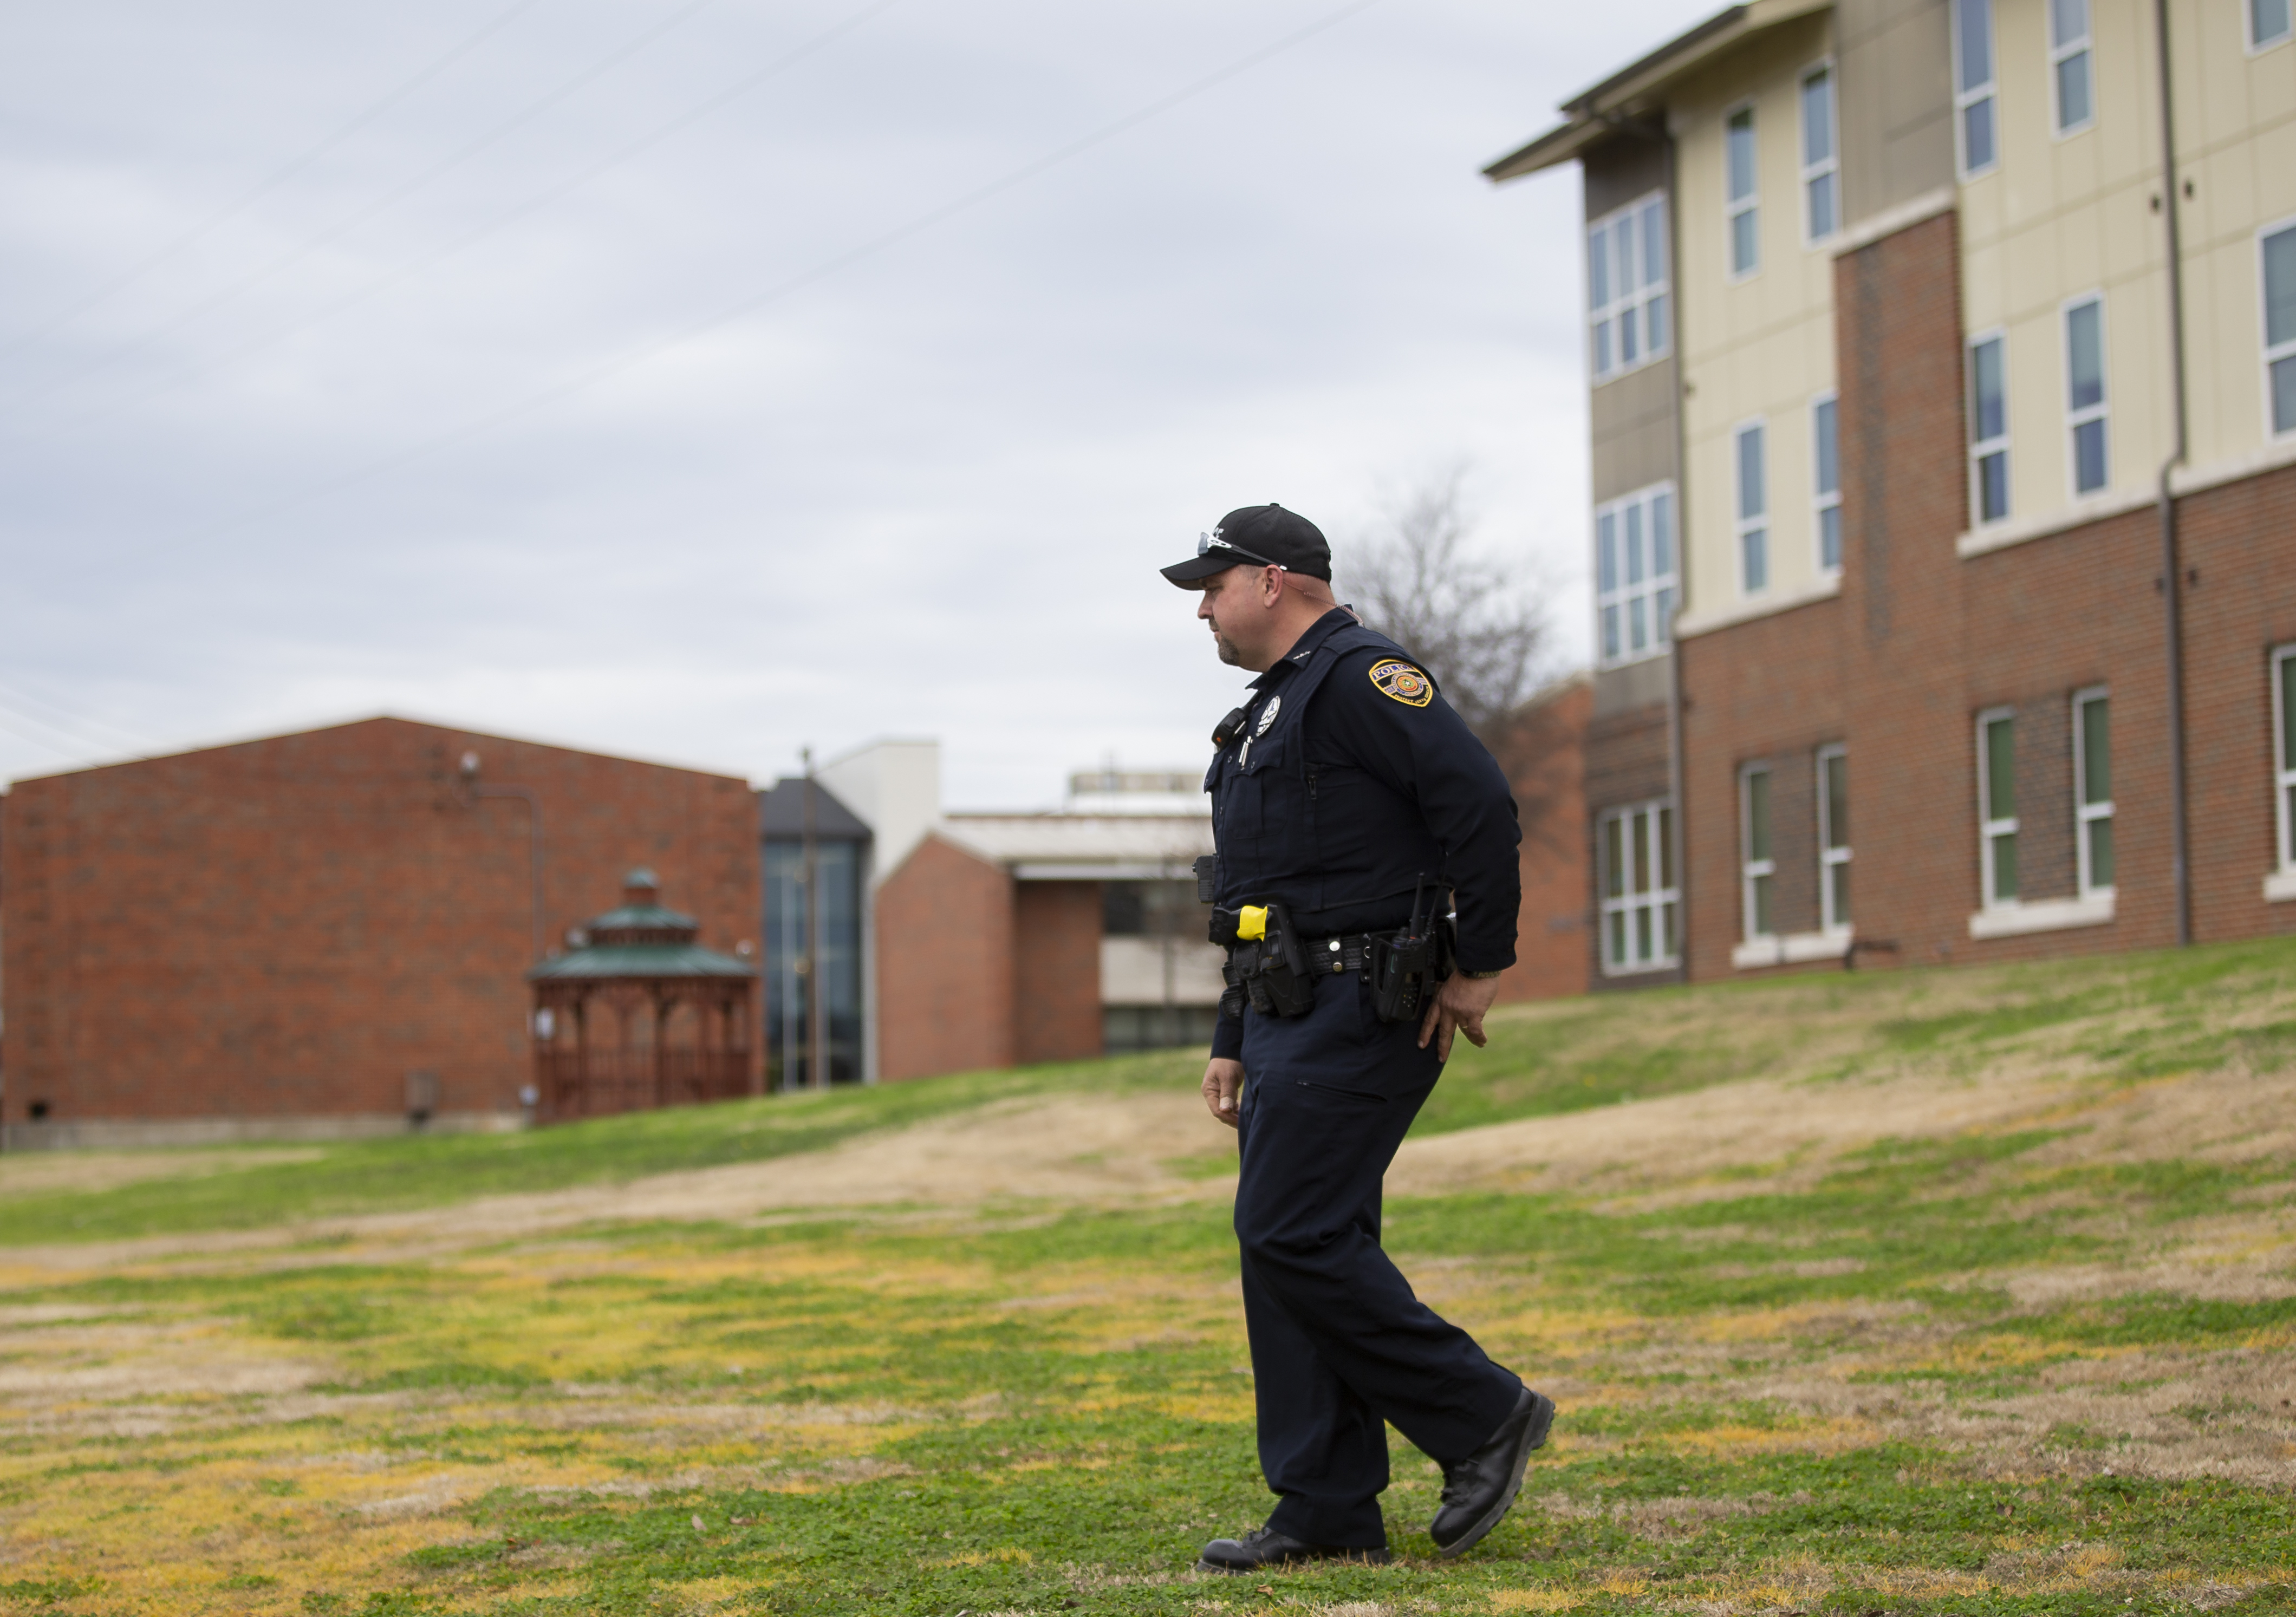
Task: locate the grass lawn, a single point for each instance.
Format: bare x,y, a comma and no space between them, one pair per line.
2039,1365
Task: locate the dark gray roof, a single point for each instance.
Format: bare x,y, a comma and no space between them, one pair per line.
781,813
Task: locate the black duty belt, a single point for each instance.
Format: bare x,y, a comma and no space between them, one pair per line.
1343,952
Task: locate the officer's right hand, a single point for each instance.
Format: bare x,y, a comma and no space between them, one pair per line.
1223,1088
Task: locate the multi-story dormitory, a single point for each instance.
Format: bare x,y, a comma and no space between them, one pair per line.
1944,458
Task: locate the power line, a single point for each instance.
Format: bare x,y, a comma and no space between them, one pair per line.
415,266
280,177
541,396
380,205
16,701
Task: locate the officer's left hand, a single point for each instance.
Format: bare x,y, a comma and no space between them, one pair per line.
1459,1007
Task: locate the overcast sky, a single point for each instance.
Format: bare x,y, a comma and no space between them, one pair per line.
652,376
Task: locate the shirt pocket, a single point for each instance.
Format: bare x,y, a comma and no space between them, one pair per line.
1256,786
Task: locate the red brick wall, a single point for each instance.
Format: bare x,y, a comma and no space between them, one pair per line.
2239,550
1920,641
945,965
1768,690
1545,755
289,927
1056,975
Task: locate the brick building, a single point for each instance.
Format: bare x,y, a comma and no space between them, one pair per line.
325,931
1896,312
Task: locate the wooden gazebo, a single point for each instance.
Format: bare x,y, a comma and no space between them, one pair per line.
640,1015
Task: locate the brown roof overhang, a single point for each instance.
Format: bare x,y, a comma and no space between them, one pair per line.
1633,93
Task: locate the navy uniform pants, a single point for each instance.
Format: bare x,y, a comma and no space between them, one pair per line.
1340,1345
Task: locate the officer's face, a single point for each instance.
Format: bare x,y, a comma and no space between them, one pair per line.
1236,589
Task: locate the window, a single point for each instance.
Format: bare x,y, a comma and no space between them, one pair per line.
1833,839
2085,393
1626,278
1753,512
2283,748
1821,162
2093,791
1639,896
1988,429
1738,160
1634,574
1826,457
1758,868
1997,805
2268,22
1973,85
2069,68
2280,327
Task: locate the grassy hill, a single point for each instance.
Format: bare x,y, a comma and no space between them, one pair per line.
2114,1019
2041,1363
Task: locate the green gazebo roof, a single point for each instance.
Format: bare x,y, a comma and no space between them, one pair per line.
639,938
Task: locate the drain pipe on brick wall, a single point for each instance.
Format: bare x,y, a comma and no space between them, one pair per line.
2172,580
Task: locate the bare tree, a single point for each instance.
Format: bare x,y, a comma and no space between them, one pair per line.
1477,623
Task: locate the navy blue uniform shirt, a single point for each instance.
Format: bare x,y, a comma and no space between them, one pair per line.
1352,777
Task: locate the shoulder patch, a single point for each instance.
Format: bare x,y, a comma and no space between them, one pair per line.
1402,682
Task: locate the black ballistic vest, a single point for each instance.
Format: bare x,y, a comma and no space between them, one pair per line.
1339,847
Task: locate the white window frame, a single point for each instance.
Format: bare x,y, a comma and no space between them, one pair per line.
2248,28
2075,419
1634,303
1830,857
1980,448
1754,871
1654,909
1660,592
1829,165
1964,98
1989,828
2273,352
2284,762
2086,813
1824,502
1751,203
2060,51
1743,527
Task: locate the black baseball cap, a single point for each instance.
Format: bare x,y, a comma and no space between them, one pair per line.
1266,535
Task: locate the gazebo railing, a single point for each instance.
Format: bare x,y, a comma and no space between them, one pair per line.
599,1083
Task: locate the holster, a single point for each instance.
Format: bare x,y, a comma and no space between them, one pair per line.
1271,968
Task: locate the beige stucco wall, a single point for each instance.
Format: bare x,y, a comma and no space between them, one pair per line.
2063,216
1761,347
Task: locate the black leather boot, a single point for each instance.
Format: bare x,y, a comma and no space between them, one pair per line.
1478,1490
1263,1549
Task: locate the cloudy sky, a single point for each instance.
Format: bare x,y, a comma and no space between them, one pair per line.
698,379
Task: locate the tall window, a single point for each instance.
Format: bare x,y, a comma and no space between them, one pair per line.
1738,160
1758,869
2069,64
1973,85
1833,838
2268,22
2085,393
1826,457
1997,805
1753,512
1821,161
1989,428
1639,894
1626,280
2280,326
2093,790
2283,750
1634,574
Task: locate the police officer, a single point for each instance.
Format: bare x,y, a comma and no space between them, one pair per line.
1345,792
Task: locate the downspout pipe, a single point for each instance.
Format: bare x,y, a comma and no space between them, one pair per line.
2172,576
1677,834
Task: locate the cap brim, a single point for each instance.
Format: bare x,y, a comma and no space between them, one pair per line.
1191,574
